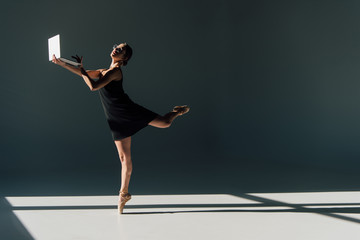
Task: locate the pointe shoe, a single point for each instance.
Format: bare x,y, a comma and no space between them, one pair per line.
181,109
123,198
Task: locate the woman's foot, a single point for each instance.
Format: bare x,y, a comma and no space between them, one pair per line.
181,109
123,198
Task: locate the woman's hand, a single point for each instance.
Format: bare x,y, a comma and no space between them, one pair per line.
57,61
79,60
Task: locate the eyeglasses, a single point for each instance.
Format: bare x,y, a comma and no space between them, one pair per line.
118,49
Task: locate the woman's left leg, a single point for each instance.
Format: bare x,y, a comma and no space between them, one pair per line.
166,120
124,149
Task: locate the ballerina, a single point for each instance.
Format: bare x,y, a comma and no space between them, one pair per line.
124,117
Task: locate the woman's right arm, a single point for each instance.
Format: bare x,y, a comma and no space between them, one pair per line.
77,71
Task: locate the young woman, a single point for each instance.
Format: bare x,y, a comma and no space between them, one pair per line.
124,117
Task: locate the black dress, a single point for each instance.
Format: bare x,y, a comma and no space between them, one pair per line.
124,117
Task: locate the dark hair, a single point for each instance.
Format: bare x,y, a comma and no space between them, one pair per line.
127,55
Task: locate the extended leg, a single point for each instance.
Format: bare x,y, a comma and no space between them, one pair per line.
166,120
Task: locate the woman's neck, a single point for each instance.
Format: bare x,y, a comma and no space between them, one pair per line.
115,64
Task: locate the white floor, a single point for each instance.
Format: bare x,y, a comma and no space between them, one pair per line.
306,216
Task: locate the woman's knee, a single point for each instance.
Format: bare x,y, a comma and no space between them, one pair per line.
122,158
126,163
125,157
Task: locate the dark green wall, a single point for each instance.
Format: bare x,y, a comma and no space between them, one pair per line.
266,80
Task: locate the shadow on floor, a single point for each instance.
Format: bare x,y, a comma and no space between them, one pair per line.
174,177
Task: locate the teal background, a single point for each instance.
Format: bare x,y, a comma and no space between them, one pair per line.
273,88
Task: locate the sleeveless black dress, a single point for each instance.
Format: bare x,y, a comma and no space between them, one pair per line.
124,117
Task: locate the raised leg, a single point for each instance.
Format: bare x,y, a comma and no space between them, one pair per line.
166,120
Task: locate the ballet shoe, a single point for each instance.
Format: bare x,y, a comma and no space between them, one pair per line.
181,109
123,198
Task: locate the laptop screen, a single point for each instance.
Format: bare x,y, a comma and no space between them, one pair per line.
54,46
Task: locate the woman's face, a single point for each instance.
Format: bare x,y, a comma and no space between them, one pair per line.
118,52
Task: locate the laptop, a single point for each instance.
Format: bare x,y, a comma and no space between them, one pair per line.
54,48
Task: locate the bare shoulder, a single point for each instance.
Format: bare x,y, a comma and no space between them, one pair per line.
110,71
114,73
